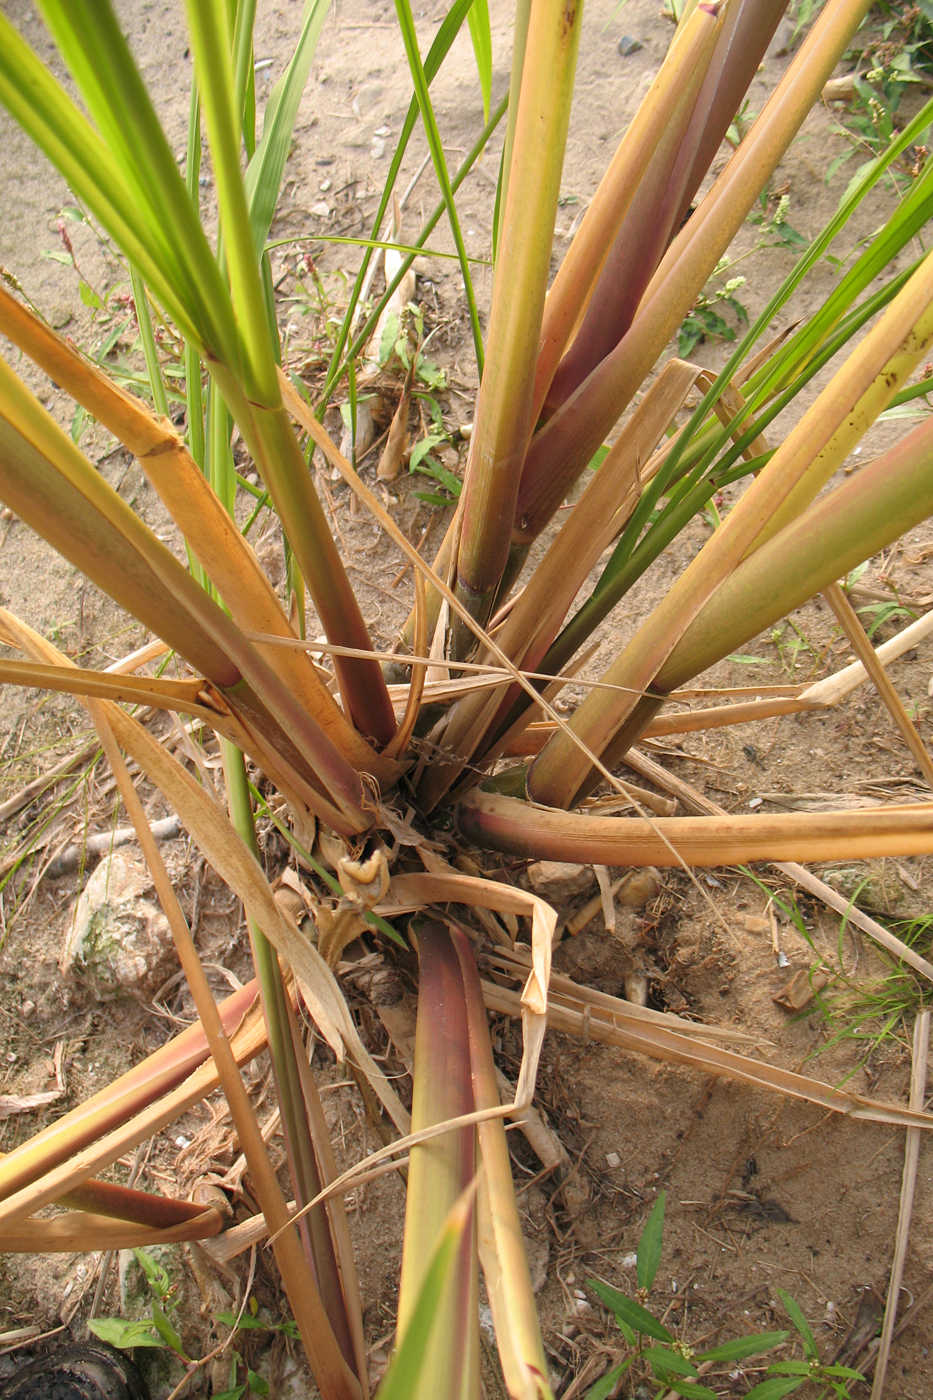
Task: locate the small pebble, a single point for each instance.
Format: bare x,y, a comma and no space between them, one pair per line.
613,1160
628,45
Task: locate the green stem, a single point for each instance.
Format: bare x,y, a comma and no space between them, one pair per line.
193,390
151,355
212,44
420,80
450,27
313,1228
340,361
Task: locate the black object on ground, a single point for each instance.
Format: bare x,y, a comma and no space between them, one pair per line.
90,1371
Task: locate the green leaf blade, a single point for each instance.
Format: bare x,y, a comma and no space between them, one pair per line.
741,1347
123,1334
266,168
481,34
628,1311
774,1388
795,1313
649,1246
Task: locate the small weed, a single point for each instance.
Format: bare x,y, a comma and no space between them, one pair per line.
665,1363
403,339
870,1011
118,348
706,321
792,644
740,659
402,342
877,614
895,58
744,118
771,218
424,462
159,1331
880,611
803,13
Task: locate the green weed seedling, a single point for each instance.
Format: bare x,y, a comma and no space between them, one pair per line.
120,342
792,645
160,1332
707,322
897,58
878,613
403,341
872,1011
424,461
658,1359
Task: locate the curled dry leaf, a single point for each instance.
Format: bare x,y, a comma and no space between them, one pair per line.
336,929
410,892
392,457
364,880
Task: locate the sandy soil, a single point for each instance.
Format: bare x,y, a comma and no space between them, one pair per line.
763,1193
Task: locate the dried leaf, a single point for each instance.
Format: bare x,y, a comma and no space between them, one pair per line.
392,457
22,1103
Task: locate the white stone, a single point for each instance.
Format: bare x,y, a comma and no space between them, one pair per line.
117,939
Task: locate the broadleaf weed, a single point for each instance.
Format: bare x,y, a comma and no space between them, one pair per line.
659,1363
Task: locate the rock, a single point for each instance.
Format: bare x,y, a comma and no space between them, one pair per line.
639,887
787,37
636,988
560,880
118,940
627,45
885,887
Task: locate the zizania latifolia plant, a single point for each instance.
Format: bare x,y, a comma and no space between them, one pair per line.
364,756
